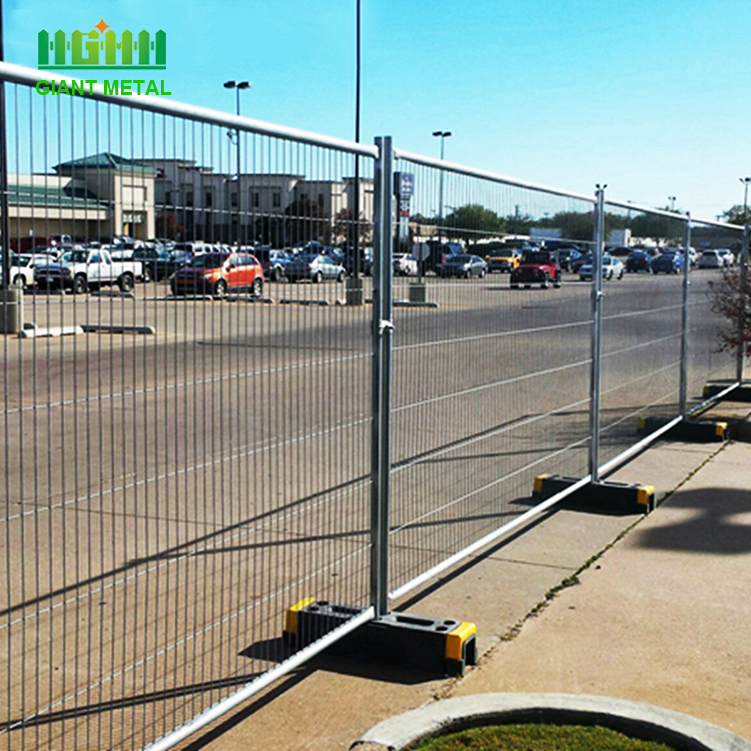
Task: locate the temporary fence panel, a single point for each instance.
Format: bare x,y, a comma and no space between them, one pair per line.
491,384
707,360
195,460
641,328
190,452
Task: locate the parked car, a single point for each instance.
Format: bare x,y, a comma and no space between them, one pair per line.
169,261
727,256
638,260
503,260
612,267
314,267
278,261
463,265
274,262
22,268
436,253
669,262
405,265
537,267
87,269
218,272
568,256
366,261
149,257
711,259
577,263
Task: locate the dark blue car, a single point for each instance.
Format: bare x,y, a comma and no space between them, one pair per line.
667,263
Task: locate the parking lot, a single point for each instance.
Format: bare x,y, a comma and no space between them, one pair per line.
169,495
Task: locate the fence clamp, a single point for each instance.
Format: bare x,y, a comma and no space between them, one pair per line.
383,326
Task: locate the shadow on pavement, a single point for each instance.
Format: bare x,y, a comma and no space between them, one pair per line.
714,528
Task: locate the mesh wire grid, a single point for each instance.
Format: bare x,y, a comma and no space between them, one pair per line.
167,496
491,387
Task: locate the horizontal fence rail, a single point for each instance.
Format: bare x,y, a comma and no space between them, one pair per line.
327,380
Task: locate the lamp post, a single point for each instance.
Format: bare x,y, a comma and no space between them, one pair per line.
354,292
443,135
238,86
745,181
672,200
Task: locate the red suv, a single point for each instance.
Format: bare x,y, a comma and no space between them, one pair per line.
537,267
216,272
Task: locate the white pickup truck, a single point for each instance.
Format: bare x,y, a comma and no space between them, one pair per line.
88,269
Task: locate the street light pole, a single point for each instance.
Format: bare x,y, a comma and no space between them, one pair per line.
354,292
672,200
238,86
745,181
443,135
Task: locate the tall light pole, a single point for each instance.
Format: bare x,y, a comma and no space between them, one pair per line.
672,200
238,86
355,296
745,181
443,135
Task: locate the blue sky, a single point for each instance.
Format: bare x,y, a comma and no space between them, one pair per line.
648,97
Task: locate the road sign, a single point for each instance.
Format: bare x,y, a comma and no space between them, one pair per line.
404,184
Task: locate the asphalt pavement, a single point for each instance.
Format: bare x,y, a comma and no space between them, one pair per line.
172,494
644,608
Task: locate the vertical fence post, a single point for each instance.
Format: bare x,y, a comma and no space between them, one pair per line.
594,396
683,388
742,323
382,344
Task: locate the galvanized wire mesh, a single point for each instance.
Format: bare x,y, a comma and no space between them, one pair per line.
188,459
491,386
168,495
642,327
706,359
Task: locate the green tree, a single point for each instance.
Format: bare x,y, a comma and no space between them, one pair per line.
574,225
659,228
737,215
472,222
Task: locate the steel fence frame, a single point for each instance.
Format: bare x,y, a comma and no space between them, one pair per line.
384,155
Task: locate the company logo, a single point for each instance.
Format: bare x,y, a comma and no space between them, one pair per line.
102,50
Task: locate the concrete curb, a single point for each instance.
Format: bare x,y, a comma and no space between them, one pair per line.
635,719
319,303
105,328
36,333
411,304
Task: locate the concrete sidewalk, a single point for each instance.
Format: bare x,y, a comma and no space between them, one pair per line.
659,614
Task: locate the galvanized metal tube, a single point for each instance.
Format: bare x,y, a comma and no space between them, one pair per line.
30,77
742,323
683,387
638,447
382,374
462,169
483,542
4,223
594,408
251,689
671,214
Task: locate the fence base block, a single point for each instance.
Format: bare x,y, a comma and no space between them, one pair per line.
598,497
442,646
741,394
693,431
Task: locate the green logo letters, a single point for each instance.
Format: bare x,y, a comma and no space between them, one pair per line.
141,53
